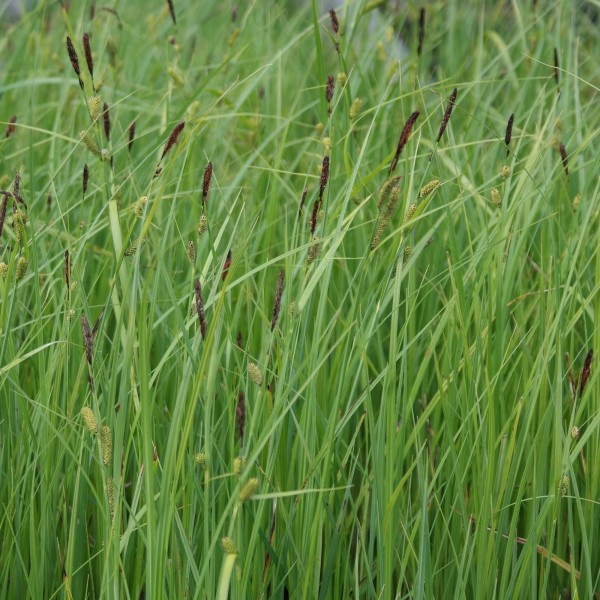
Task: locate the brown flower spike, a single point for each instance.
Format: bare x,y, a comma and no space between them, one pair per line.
335,25
240,414
11,127
329,89
508,134
447,114
585,373
131,136
277,304
88,54
67,271
206,182
404,138
421,31
85,178
88,339
74,60
200,308
106,120
173,138
564,157
172,11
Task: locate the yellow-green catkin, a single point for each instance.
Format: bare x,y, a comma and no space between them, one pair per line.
3,270
410,213
192,110
175,76
110,494
90,143
326,146
71,313
429,188
342,78
190,251
250,488
19,220
313,252
564,485
575,432
292,308
106,444
505,172
229,546
385,210
407,254
140,206
133,247
496,198
95,106
21,268
577,201
381,53
235,34
355,109
384,193
239,462
200,459
255,374
319,128
202,224
89,419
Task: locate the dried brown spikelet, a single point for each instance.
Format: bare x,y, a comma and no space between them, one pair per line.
255,373
3,207
173,138
202,224
85,178
324,177
200,459
90,143
335,25
106,120
106,444
229,546
421,31
3,270
226,266
447,114
172,11
564,157
355,109
21,268
314,251
429,187
250,488
577,201
585,373
234,13
240,416
190,251
508,134
556,66
329,90
67,270
131,136
496,198
302,199
88,54
74,60
200,308
404,136
89,419
88,339
206,180
11,127
140,206
277,303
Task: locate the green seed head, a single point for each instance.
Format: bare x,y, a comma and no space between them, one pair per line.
89,419
255,374
250,488
229,546
496,198
21,268
90,143
95,106
505,172
106,444
3,270
355,109
577,201
140,206
430,187
239,462
202,224
200,459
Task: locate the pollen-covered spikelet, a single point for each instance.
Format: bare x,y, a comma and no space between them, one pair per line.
190,251
410,213
21,268
564,485
71,315
3,270
342,78
89,419
200,459
575,431
175,76
229,546
319,128
95,106
19,220
326,145
355,109
239,462
250,488
90,143
255,373
140,206
429,187
496,198
133,247
314,251
505,172
577,201
106,444
110,494
387,204
202,224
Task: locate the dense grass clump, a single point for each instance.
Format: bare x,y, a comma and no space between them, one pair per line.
300,304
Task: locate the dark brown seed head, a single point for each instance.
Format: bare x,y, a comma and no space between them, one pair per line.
74,60
67,270
226,266
335,25
88,54
88,338
172,11
277,304
324,177
11,127
314,216
173,138
85,179
421,31
97,324
234,13
200,308
329,89
564,157
404,138
16,193
131,136
585,373
508,134
239,340
556,65
447,114
106,119
302,200
240,414
3,209
206,181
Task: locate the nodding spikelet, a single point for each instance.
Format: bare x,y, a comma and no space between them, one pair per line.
106,444
173,138
302,200
202,224
329,90
404,136
564,157
172,11
250,488
88,339
508,134
21,268
226,266
110,494
585,373
200,459
421,31
255,373
89,419
88,54
556,66
90,143
85,177
429,187
106,120
140,206
131,136
206,180
67,270
314,251
496,198
447,114
229,546
355,109
3,270
200,308
335,25
190,251
11,127
240,416
277,304
385,212
74,60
